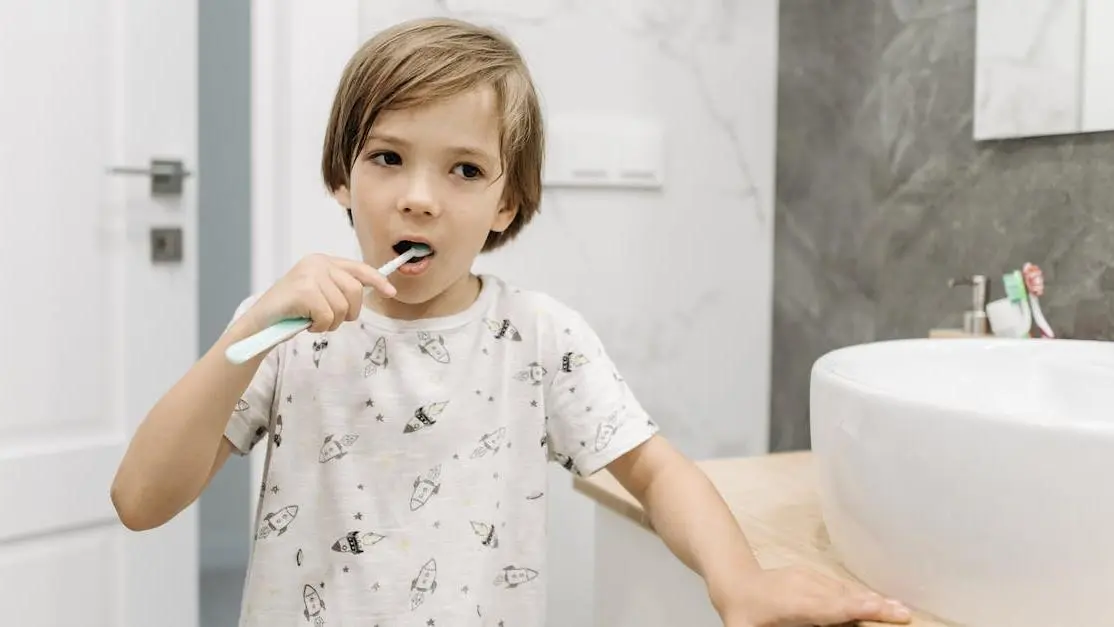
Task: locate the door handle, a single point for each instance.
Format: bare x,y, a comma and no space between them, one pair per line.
166,175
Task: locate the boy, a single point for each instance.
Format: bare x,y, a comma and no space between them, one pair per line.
408,431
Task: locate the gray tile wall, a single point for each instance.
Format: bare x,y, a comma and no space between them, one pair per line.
882,195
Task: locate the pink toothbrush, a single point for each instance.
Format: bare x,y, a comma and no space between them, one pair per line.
1034,282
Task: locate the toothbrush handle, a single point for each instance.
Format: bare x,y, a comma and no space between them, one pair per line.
283,330
273,335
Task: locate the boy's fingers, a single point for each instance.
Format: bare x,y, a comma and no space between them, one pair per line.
352,289
367,275
320,313
338,304
881,610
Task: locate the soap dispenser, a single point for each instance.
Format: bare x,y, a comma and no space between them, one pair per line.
975,322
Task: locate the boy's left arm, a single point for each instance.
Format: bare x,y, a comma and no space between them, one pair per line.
694,522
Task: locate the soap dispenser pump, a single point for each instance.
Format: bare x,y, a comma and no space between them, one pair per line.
975,321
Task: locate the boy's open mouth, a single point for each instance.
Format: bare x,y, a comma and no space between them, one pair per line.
405,245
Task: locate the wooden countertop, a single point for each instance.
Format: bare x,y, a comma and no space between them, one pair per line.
773,497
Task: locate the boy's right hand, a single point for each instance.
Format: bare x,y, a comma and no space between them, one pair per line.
328,290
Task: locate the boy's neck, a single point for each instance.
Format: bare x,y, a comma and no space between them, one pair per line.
458,297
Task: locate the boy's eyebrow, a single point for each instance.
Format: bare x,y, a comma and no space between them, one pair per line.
474,152
390,139
456,150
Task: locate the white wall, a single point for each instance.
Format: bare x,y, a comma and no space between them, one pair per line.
685,308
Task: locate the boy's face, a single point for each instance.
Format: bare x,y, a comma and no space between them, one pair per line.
430,174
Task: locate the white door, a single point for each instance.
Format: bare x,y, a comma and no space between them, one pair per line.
92,331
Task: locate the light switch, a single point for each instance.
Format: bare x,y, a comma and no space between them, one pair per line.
598,150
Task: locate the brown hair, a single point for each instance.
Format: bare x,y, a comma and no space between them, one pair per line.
421,60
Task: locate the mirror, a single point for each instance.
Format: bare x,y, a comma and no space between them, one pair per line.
1043,67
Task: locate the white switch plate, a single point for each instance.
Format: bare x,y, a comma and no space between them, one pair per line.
604,150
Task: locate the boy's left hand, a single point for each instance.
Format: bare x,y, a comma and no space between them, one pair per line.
798,597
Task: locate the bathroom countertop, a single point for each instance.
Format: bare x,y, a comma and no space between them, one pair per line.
773,497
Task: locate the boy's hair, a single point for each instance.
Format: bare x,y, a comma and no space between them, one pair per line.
419,61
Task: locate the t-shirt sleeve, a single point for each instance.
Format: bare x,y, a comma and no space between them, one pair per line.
593,416
249,420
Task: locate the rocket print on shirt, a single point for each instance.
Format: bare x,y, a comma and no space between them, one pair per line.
607,429
315,605
336,448
434,347
571,361
257,437
534,374
490,442
503,330
486,533
425,487
566,462
425,416
425,583
278,431
277,522
512,576
319,347
356,543
376,359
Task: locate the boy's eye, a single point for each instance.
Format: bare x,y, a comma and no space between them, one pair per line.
386,158
468,171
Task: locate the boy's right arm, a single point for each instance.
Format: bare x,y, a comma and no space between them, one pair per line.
180,445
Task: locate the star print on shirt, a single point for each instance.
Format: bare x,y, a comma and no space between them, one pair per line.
290,398
345,569
379,417
358,516
533,403
369,403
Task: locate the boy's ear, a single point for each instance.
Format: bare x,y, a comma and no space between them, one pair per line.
343,197
505,216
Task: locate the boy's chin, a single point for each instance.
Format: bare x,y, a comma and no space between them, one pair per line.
414,291
424,289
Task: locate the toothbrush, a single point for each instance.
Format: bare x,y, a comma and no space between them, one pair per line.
1034,282
283,330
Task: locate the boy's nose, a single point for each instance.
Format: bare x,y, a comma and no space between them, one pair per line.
419,198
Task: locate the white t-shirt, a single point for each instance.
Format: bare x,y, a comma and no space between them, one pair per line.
407,476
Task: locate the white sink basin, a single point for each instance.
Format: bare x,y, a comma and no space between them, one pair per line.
972,478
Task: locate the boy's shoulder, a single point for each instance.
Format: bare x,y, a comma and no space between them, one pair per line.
531,306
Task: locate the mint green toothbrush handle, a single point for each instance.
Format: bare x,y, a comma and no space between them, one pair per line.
277,333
